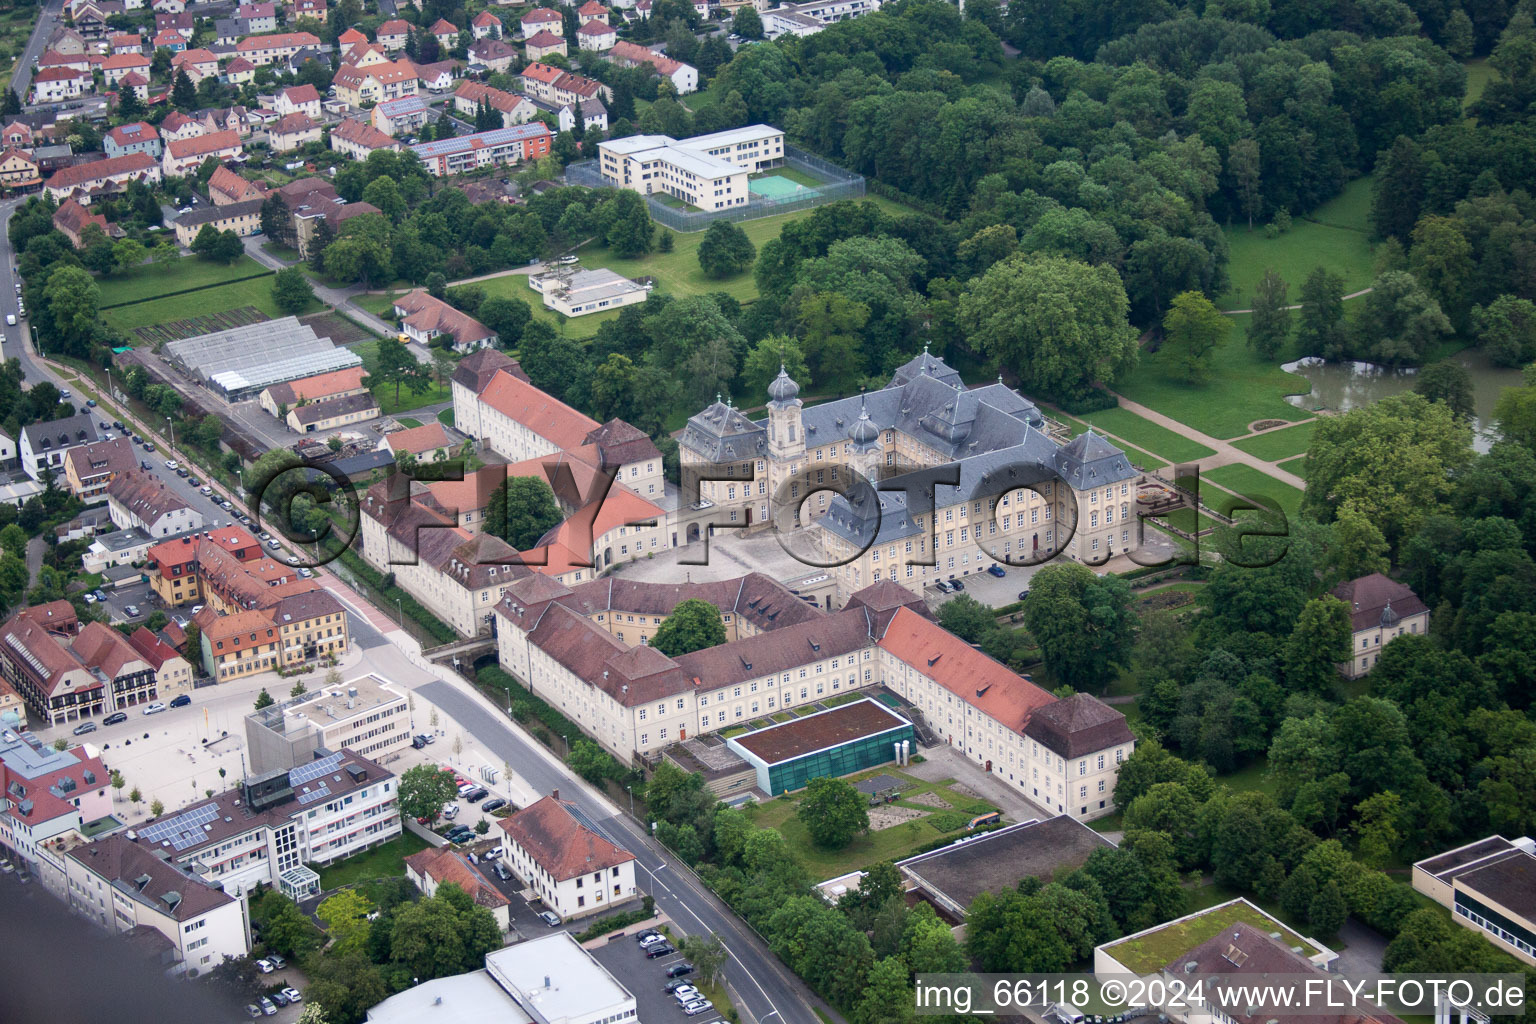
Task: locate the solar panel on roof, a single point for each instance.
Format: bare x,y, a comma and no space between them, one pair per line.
315,794
314,769
184,830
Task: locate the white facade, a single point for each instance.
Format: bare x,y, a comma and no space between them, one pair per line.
708,172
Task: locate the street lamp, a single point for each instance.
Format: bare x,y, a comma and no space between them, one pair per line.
172,428
399,613
567,744
631,791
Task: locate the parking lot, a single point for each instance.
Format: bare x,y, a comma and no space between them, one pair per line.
646,979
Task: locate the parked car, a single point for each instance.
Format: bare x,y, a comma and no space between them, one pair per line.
997,570
649,933
264,966
182,472
131,610
678,970
181,701
279,999
148,446
207,491
267,1006
84,727
659,949
477,794
194,481
90,598
550,918
450,811
418,742
304,574
652,939
1023,594
277,961
957,584
293,559
685,994
493,805
272,544
672,986
253,1011
154,708
99,595
293,994
696,1008
943,587
115,718
171,464
145,465
226,506
501,871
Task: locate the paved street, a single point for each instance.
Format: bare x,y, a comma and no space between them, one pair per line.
48,18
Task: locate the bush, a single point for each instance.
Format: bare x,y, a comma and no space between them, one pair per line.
385,585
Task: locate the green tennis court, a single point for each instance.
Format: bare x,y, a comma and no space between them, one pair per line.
775,186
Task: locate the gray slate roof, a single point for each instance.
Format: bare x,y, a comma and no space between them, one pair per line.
64,433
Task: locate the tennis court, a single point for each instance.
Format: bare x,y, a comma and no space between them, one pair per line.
776,186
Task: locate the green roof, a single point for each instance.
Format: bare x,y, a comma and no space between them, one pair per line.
1149,951
99,827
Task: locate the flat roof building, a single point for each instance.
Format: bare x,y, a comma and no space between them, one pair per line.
367,715
576,292
554,981
242,361
1490,886
707,171
837,742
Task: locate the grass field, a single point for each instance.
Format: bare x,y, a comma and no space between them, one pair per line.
871,847
1242,388
1145,434
387,861
1336,235
1189,520
155,279
1279,444
1479,74
388,404
1138,457
1260,487
445,417
255,292
1297,467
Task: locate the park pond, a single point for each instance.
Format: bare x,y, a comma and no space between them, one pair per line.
1340,387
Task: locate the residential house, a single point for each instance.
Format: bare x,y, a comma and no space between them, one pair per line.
16,135
359,138
173,564
177,125
573,870
243,218
139,137
168,6
46,794
429,442
126,888
541,19
593,113
298,99
90,468
543,44
333,414
306,9
424,317
57,687
684,77
333,215
596,36
137,500
445,32
498,147
556,86
55,84
135,83
130,680
350,38
261,17
83,180
374,83
18,170
91,22
485,25
180,22
294,630
239,71
66,40
292,131
403,116
392,35
514,109
119,64
170,40
226,187
279,46
183,156
491,55
172,672
198,64
437,77
592,11
126,42
1380,611
429,868
71,219
43,444
53,59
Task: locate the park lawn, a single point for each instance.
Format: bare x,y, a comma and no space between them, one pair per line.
386,861
1189,520
1296,466
1253,777
1279,444
1138,457
382,306
1260,487
1148,435
153,279
1336,235
406,421
1240,389
219,299
445,417
515,286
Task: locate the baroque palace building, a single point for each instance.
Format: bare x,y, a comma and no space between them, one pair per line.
1023,492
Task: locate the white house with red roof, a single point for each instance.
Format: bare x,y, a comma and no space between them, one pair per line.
199,63
259,17
291,131
46,793
574,871
101,175
126,42
119,64
429,868
445,32
540,19
597,36
392,35
139,137
177,125
54,84
185,155
592,10
298,99
350,38
542,44
239,71
684,77
485,24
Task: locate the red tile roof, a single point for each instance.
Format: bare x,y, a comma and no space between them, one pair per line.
544,39
393,27
1369,596
277,39
445,865
297,94
546,416
417,440
361,133
542,72
541,14
560,844
100,646
199,145
444,27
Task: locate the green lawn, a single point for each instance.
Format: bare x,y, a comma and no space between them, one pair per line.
1260,487
1335,235
152,279
445,417
1296,466
406,421
1153,950
1148,435
1253,778
388,404
1279,444
387,861
1241,388
1189,520
1479,74
255,292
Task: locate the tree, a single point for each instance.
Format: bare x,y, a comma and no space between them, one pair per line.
156,808
264,699
291,290
521,511
118,782
394,365
345,916
725,250
1192,330
1447,382
693,625
1082,622
833,812
1321,331
385,194
183,92
275,221
747,24
1062,323
298,689
127,254
706,953
626,225
592,762
1269,328
217,246
507,317
71,298
134,795
424,791
1320,641
1506,329
443,934
1246,171
129,106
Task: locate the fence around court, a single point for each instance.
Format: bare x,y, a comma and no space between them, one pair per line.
836,184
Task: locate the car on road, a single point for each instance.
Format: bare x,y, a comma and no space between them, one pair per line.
145,466
131,610
171,464
117,425
84,727
226,506
137,439
154,708
10,319
194,481
265,966
701,1006
493,805
115,718
183,472
273,544
90,599
659,949
293,994
550,918
997,570
678,970
264,535
293,559
149,447
205,491
1024,594
181,701
244,519
304,574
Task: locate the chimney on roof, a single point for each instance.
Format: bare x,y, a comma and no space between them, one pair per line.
554,794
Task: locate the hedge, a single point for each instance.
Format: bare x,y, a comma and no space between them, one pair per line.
435,627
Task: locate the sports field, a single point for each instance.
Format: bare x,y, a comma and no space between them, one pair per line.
776,186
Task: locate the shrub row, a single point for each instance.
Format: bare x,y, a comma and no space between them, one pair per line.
435,627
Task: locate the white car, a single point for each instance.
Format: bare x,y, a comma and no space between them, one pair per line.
450,811
272,544
206,491
10,319
90,598
265,966
172,464
293,995
154,709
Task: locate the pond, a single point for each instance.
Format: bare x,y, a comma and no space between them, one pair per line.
1340,387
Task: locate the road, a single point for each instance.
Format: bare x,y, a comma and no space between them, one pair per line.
48,18
763,984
